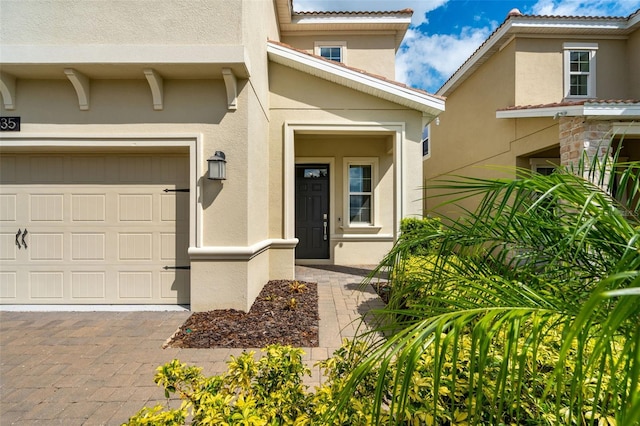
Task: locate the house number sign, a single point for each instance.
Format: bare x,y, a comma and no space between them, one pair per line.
9,124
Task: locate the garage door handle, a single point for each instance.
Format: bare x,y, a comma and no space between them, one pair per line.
24,234
17,240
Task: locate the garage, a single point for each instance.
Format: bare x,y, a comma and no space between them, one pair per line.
98,228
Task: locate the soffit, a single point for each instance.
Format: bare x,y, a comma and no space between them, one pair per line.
359,80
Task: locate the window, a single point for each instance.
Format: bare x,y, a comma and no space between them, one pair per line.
332,50
580,70
425,142
360,183
544,166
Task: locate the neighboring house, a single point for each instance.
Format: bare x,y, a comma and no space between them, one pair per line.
539,92
105,196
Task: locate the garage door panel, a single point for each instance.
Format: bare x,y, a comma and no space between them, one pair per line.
8,204
88,246
46,169
8,285
46,284
92,241
89,169
46,207
135,246
8,248
7,169
88,207
135,207
45,246
136,169
88,285
135,284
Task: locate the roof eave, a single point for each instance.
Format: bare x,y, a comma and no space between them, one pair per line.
591,110
425,103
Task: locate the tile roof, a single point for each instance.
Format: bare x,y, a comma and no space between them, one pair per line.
358,70
603,102
351,12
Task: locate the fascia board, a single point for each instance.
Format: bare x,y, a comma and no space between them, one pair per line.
628,110
571,111
586,110
358,81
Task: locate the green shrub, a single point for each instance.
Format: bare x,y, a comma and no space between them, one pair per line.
423,234
442,388
266,391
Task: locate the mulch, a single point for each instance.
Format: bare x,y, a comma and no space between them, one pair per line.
285,312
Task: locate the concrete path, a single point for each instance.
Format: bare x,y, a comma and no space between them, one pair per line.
97,368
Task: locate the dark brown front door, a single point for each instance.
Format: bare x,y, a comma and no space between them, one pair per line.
312,211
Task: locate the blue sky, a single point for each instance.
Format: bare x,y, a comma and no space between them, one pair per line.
444,33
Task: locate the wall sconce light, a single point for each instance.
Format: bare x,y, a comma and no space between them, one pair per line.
217,166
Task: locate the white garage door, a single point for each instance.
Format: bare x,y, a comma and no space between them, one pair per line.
94,229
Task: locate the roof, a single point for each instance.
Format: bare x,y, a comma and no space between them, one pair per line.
294,22
517,23
594,108
355,79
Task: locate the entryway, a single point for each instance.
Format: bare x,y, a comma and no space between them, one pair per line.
312,211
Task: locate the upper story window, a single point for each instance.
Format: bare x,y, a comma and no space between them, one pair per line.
332,50
580,70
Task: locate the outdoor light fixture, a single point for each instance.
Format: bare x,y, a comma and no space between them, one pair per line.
217,166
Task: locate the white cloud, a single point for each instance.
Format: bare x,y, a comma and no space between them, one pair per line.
425,61
420,7
585,8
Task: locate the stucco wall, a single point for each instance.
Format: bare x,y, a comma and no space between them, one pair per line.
170,22
468,133
538,71
373,53
633,64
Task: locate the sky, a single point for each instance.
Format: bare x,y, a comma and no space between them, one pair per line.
444,33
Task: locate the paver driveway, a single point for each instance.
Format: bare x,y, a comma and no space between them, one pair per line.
91,368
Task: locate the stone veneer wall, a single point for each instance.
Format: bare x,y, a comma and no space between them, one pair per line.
579,135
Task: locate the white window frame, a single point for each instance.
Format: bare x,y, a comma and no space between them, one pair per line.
544,163
360,161
591,48
341,44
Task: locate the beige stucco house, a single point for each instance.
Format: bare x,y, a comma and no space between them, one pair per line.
540,91
111,111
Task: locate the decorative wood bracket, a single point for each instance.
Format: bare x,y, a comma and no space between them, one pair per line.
231,83
156,85
82,84
8,90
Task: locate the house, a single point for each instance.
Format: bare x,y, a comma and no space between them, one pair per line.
186,153
539,92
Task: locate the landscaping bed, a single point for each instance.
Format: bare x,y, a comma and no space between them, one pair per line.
285,312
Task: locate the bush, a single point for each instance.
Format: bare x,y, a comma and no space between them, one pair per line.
423,233
270,391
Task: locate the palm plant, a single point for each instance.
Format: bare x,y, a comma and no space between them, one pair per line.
526,312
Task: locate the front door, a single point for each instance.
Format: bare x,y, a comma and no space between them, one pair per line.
312,211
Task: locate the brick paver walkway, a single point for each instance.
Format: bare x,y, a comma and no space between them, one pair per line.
96,368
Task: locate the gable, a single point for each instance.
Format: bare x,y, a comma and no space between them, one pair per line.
358,80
